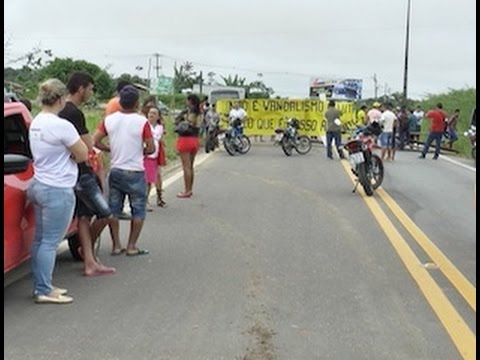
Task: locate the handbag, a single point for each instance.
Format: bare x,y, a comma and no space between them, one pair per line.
183,127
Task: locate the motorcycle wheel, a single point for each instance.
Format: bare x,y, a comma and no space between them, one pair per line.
364,179
245,146
287,146
377,171
228,145
208,142
304,145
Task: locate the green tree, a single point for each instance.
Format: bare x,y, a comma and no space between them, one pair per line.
185,77
62,69
234,80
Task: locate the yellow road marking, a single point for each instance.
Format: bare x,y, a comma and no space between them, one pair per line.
464,287
462,336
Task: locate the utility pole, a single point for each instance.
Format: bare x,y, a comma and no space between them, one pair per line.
385,93
375,85
201,82
157,64
407,40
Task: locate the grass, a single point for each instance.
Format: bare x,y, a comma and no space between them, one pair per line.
94,116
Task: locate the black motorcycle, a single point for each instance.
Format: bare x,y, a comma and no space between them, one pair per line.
235,141
366,166
289,139
211,137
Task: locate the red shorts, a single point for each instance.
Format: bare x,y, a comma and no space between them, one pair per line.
187,144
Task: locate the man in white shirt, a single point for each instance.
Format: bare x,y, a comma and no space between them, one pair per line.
374,114
130,139
387,141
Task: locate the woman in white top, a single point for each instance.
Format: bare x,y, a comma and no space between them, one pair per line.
56,149
151,161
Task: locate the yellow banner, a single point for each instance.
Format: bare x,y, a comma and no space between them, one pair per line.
266,115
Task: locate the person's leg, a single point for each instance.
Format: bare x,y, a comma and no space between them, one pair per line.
338,144
136,194
192,160
187,171
329,144
57,206
438,141
427,144
159,188
148,205
115,201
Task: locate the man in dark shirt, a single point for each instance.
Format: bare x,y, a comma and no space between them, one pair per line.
90,201
332,115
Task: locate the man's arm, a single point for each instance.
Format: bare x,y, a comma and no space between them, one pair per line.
98,136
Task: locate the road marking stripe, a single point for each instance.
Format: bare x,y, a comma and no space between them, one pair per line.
464,287
461,334
458,163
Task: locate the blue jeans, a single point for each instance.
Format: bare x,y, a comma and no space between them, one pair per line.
53,213
122,183
90,199
337,135
437,136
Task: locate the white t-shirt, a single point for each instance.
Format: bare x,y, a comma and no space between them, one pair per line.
50,138
388,120
157,133
127,133
237,114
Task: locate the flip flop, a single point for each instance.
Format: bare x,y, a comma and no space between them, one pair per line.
118,252
137,252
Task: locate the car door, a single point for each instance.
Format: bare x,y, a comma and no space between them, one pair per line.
18,219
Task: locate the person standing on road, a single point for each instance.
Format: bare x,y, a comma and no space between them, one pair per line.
187,142
452,128
374,114
130,139
89,201
56,149
437,118
152,171
333,115
362,116
387,140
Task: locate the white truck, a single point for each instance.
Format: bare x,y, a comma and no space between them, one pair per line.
218,92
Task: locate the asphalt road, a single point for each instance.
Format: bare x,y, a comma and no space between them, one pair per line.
272,258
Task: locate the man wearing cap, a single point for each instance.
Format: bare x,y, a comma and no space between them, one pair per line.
130,139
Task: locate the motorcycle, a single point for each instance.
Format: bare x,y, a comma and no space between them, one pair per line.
471,133
289,139
235,141
366,166
211,137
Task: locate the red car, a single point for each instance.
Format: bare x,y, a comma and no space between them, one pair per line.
18,218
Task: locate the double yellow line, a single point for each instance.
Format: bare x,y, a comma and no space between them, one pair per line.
462,336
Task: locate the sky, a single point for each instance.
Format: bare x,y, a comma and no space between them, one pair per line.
283,43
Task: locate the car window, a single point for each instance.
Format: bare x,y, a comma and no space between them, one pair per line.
15,136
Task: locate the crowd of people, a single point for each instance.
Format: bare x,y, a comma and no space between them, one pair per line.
67,180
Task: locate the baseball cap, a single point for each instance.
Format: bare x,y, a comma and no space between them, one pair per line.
376,104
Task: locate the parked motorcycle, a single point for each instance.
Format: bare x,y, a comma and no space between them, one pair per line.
366,166
211,137
289,139
235,141
471,133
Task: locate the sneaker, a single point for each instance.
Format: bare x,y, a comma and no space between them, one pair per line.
435,158
53,298
421,157
57,290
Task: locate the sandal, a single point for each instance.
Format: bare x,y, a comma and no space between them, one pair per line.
137,252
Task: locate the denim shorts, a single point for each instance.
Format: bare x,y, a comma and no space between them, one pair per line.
386,139
122,183
90,199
